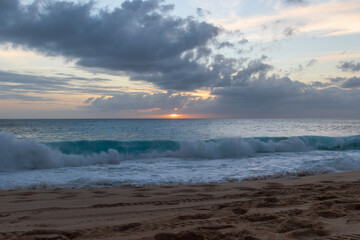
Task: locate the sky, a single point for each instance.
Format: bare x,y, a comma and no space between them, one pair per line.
180,59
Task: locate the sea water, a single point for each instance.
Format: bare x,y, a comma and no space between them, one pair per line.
100,153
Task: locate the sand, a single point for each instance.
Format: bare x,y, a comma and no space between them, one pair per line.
315,207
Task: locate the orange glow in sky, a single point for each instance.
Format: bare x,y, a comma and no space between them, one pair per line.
174,115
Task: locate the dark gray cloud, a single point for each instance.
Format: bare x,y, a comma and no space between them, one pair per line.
9,77
261,91
45,82
275,97
202,12
89,100
254,67
25,98
250,93
350,66
15,84
257,97
140,101
243,41
21,85
336,79
311,63
288,32
318,84
353,82
140,38
225,44
163,102
295,2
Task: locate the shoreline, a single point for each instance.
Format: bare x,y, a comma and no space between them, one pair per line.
312,207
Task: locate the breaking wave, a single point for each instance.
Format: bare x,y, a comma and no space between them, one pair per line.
18,154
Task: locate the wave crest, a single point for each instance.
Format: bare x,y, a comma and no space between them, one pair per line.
28,154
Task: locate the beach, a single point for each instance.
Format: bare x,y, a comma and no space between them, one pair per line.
179,120
314,207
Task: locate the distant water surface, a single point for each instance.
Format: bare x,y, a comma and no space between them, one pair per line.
175,129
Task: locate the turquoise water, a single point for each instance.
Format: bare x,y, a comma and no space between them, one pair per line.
95,153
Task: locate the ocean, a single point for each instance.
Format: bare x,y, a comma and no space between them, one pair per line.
37,154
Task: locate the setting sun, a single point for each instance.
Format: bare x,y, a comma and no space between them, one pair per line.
174,115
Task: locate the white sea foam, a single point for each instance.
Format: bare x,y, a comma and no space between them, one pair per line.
29,154
26,163
19,154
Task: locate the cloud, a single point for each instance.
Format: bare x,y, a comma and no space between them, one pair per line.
249,94
336,79
225,44
353,82
295,2
243,41
45,82
140,101
255,67
144,41
318,84
9,77
21,85
288,32
281,97
279,28
202,12
343,82
311,63
15,84
320,18
349,66
140,38
25,98
89,100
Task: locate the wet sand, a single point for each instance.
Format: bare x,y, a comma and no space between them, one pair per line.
315,207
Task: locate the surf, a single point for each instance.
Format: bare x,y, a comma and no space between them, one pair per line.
20,154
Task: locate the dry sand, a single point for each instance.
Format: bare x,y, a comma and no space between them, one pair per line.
316,207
